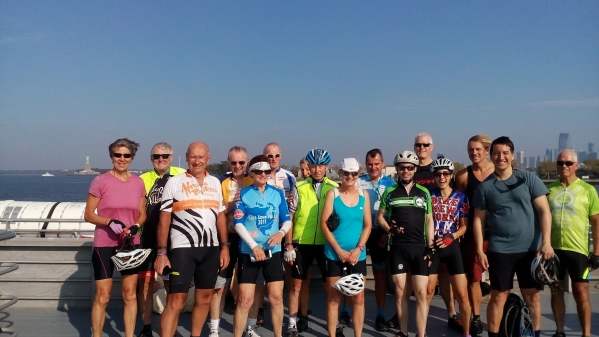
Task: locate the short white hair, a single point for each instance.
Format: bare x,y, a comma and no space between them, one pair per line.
571,152
423,134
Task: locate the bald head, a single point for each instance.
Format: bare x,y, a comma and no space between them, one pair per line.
273,152
198,155
198,144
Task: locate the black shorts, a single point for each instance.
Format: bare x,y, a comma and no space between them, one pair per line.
199,263
451,257
376,247
334,268
408,258
233,256
574,264
502,268
305,255
272,269
103,265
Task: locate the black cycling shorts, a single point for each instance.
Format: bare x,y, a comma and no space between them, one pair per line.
451,257
305,255
233,256
574,264
408,258
103,265
377,249
272,269
502,268
198,263
335,268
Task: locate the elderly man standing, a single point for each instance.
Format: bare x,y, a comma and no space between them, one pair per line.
424,147
509,204
193,215
574,205
154,181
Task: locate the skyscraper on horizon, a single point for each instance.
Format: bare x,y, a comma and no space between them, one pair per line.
563,141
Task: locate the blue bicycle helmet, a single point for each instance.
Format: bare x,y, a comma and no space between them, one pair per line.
318,157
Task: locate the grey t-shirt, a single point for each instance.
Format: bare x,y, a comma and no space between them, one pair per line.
511,221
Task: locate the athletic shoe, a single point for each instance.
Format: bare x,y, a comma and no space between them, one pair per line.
339,332
476,326
292,331
454,323
393,323
559,334
146,331
380,324
345,318
213,333
250,332
302,323
401,334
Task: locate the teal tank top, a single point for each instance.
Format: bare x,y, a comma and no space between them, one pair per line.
351,224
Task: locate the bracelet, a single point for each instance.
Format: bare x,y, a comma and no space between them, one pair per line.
161,251
225,243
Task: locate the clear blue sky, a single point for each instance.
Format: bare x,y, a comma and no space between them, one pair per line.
345,75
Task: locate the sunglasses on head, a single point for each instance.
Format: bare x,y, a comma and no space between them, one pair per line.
406,167
272,156
422,145
235,163
444,174
121,155
157,156
260,172
565,162
347,174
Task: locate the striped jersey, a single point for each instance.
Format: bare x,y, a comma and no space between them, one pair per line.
194,209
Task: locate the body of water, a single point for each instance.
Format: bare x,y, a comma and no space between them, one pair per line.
38,188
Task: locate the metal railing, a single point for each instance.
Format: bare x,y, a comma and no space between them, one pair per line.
7,300
44,230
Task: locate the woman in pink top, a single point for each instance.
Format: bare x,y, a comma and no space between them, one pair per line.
115,204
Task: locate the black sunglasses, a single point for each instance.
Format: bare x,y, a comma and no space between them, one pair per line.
271,156
406,168
445,174
347,174
234,163
565,162
259,172
163,156
121,155
422,145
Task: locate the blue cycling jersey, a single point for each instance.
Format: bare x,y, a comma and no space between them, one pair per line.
447,213
375,189
261,213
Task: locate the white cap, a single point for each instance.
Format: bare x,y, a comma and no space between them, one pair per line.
350,165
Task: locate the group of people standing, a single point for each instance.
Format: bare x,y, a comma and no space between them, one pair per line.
259,230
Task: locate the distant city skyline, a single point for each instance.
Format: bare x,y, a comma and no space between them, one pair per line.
345,75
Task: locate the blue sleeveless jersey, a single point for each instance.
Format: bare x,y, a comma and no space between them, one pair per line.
261,213
351,224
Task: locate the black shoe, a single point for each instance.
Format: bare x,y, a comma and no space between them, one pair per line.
559,334
454,323
380,324
401,334
339,332
302,323
345,318
476,326
393,323
146,331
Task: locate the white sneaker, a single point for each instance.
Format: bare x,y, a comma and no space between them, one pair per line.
250,332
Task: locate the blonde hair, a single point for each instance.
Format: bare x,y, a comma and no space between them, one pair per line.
483,139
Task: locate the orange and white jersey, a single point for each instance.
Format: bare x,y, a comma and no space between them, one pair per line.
194,209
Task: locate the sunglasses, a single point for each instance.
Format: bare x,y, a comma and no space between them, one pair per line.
235,163
260,172
565,162
121,155
163,156
422,145
348,174
272,156
444,174
406,168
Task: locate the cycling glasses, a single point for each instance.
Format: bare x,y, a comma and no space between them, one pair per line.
121,155
565,162
163,156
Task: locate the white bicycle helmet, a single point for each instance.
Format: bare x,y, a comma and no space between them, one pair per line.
124,260
350,285
406,157
545,271
442,164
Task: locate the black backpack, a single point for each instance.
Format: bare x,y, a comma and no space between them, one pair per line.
516,321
